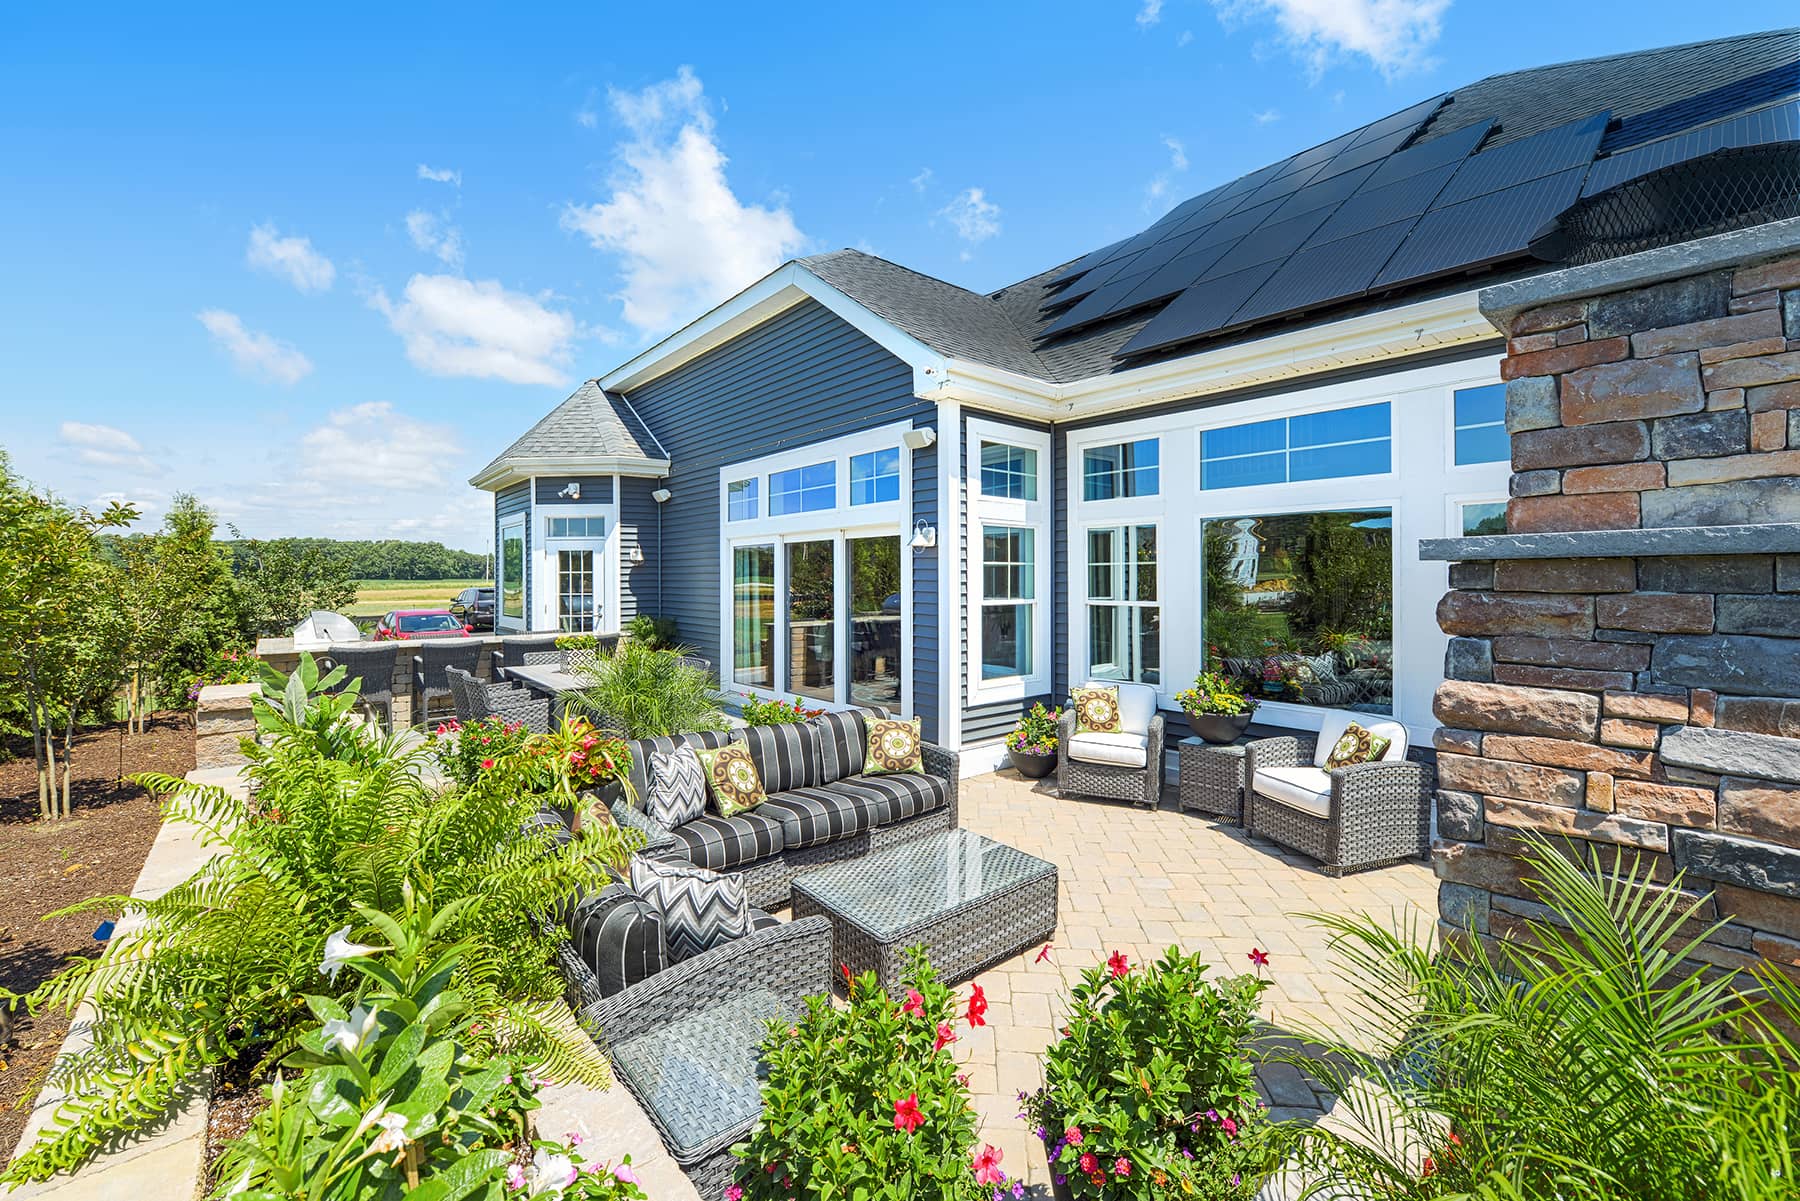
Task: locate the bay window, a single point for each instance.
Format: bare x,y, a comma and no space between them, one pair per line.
1123,612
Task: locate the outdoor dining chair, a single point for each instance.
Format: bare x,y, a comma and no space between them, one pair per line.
373,665
516,652
428,680
478,700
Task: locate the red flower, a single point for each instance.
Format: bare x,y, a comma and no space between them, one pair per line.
986,1165
1118,964
1089,1163
1043,954
915,1002
1429,1168
945,1036
1229,1127
977,1006
906,1114
1259,957
849,983
487,764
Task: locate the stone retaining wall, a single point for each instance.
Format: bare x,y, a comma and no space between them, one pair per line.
280,654
1624,667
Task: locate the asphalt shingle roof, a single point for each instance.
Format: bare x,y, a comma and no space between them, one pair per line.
588,423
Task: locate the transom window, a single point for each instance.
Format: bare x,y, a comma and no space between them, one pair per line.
1124,616
875,477
1120,470
1480,419
808,489
741,497
1008,472
1009,600
577,527
1309,446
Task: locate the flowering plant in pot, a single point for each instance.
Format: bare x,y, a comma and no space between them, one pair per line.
1217,707
1150,1091
1032,743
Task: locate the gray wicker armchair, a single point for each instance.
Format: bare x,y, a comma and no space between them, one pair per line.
517,650
1138,782
371,666
477,700
1347,818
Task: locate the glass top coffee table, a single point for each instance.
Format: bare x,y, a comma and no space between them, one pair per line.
970,901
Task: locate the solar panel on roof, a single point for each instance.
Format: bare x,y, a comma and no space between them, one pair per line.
1364,154
1324,150
1450,149
1328,194
1087,261
1336,270
1527,159
1273,240
1096,304
1283,185
1373,207
1482,230
1090,281
1177,276
1779,122
1199,310
1407,118
1752,91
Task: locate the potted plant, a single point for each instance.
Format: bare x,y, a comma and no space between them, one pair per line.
1217,707
1150,1091
1032,744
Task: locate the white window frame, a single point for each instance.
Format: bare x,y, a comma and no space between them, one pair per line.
606,563
1288,448
839,525
1450,428
517,522
838,475
1024,514
850,477
1088,601
755,484
1151,435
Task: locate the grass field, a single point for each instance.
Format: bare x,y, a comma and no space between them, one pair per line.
375,597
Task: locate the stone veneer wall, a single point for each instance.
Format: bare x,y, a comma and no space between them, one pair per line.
1624,667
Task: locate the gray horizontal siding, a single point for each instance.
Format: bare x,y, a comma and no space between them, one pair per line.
515,502
595,489
991,722
927,669
639,583
802,376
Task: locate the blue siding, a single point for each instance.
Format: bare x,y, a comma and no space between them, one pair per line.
1059,569
927,668
515,502
802,376
640,586
595,489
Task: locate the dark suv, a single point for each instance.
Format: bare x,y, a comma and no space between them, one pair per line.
476,607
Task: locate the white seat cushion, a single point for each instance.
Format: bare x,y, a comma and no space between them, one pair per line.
1137,704
1336,721
1307,789
1115,750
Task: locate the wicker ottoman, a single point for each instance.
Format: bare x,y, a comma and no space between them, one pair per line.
970,901
1212,777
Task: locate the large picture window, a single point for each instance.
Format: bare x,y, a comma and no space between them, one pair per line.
876,645
1311,446
753,616
1120,470
1009,601
512,571
1300,606
1124,616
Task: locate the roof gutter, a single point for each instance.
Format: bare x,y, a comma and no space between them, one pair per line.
504,472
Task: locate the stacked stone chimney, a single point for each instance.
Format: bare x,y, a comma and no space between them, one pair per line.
1624,666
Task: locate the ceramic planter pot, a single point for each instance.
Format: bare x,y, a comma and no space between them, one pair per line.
1218,728
1033,766
1063,1191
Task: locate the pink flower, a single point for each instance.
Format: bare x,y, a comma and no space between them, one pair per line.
1042,954
1117,964
945,1036
1072,1136
487,765
1089,1163
1229,1127
733,1193
915,1002
624,1175
987,1165
906,1114
1121,1166
1259,957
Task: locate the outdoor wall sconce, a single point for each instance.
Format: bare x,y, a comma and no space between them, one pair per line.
919,439
924,535
571,491
661,495
636,555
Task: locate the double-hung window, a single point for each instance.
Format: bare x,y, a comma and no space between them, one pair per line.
1123,611
1008,601
1009,561
1120,470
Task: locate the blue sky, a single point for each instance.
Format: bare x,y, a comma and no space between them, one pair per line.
318,264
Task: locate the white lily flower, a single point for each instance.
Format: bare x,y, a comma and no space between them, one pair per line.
392,1136
351,1033
339,950
550,1173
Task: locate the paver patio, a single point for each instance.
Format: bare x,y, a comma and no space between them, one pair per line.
1132,880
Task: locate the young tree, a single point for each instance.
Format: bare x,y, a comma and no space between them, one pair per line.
278,583
178,598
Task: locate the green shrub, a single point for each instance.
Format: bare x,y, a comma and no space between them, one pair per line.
772,712
659,632
341,824
462,749
866,1102
1215,693
1150,1092
648,693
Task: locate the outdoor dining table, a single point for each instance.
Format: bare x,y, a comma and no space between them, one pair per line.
552,681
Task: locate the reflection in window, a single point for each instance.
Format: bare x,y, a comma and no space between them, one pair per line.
1124,619
753,616
577,527
1008,596
1123,469
1487,517
1300,606
1480,418
741,500
1310,446
512,571
812,624
875,477
803,489
1008,472
875,642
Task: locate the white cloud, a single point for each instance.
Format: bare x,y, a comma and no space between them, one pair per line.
441,175
107,446
1186,38
434,234
1178,160
922,180
255,353
1150,13
587,116
291,258
1394,35
684,239
455,326
371,445
1158,193
1267,116
974,216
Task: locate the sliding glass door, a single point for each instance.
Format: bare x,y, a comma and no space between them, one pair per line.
753,616
812,619
875,642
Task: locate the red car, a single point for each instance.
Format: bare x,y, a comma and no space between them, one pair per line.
407,624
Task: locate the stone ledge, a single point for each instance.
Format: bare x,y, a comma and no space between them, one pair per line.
1663,542
1502,303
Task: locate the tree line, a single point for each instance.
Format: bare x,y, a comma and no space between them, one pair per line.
383,559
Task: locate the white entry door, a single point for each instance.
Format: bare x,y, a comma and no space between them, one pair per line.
577,550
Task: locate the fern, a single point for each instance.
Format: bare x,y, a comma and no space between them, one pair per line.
339,822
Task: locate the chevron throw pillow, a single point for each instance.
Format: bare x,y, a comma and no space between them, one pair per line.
677,787
700,909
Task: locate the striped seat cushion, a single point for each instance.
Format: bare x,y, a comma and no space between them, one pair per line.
897,796
842,743
786,757
810,816
762,919
619,936
724,842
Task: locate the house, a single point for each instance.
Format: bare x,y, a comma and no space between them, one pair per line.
1217,441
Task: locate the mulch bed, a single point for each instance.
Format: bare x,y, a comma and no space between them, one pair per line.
48,865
